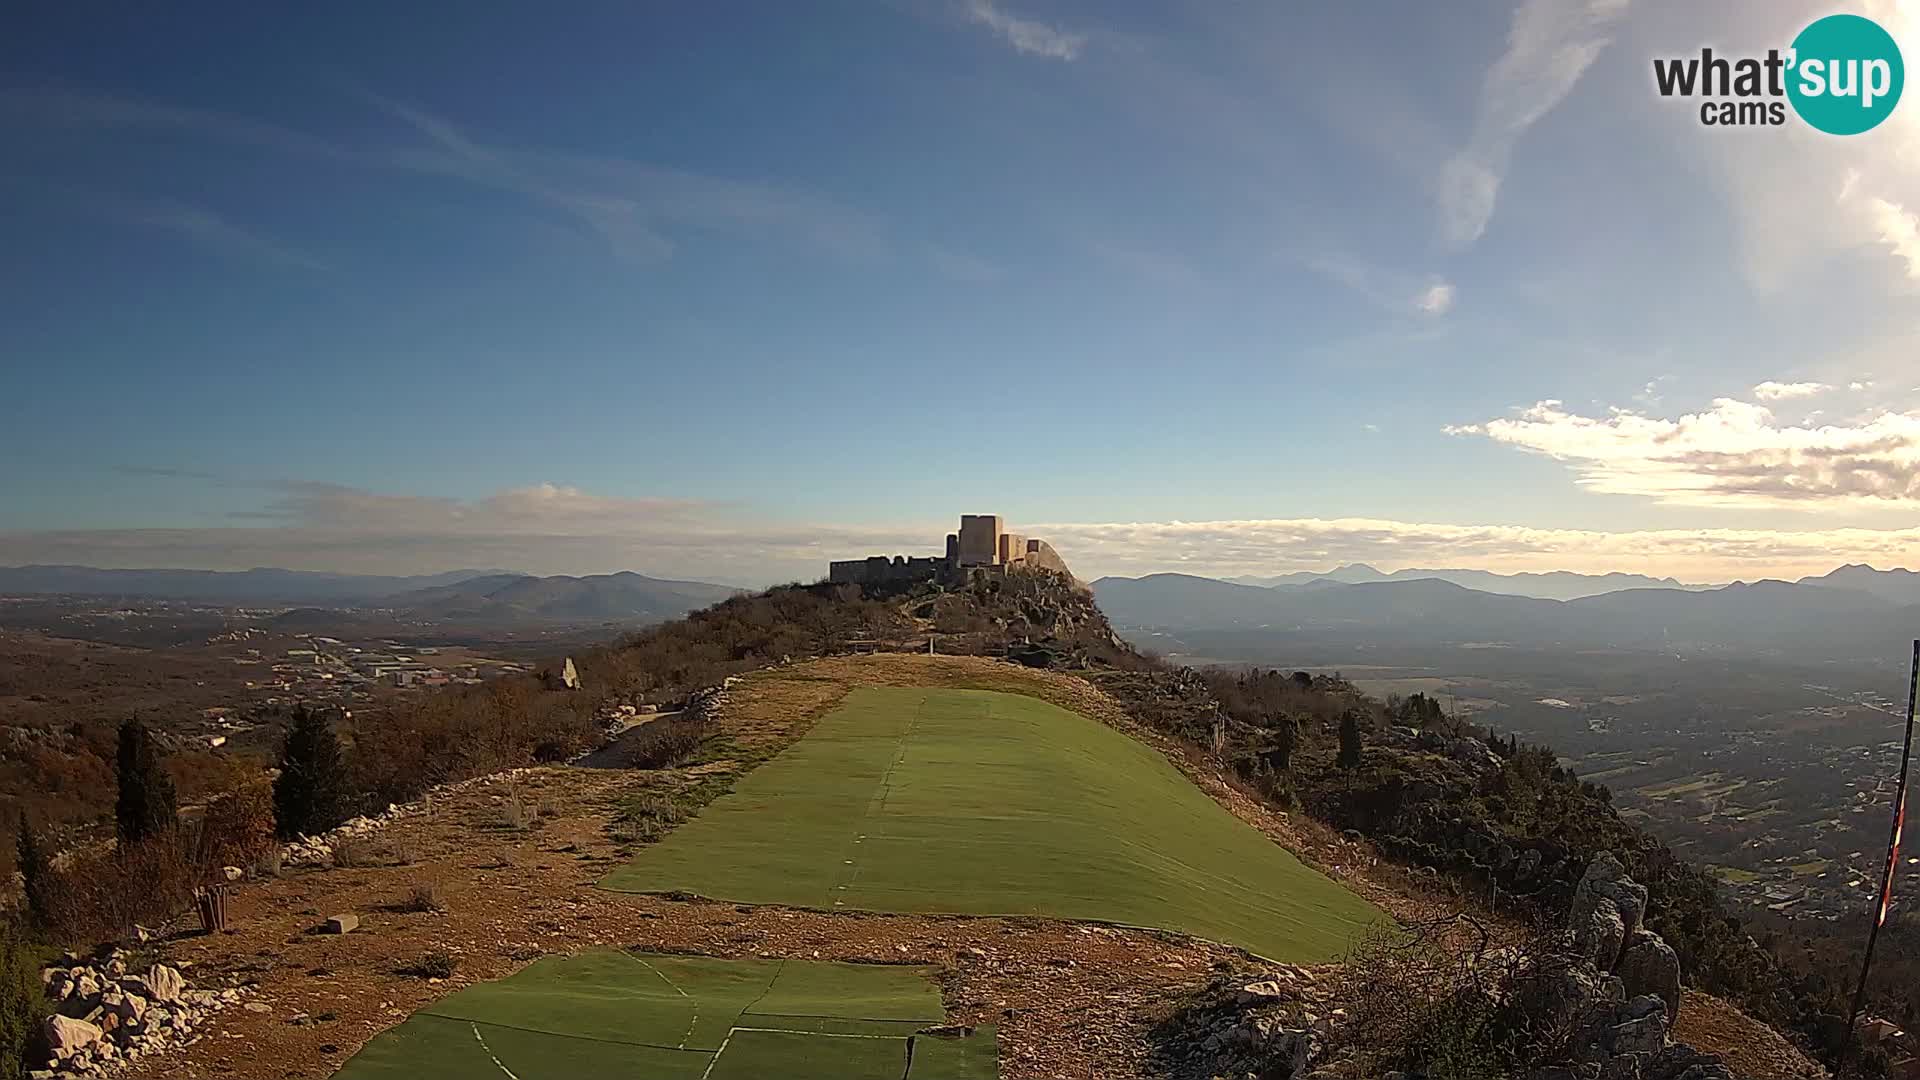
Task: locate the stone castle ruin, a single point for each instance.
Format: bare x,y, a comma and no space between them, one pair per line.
982,546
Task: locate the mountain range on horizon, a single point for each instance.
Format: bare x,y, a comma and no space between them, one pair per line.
1853,613
455,594
1550,585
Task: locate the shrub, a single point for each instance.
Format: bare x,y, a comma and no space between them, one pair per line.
438,964
1420,1003
664,743
423,898
310,795
237,828
352,851
97,896
646,817
145,807
515,814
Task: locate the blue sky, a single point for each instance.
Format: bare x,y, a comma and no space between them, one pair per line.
726,289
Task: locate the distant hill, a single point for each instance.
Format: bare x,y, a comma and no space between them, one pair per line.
1897,586
1556,585
262,585
621,597
1813,621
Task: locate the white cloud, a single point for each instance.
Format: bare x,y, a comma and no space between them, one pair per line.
1899,230
1435,299
1733,454
1799,198
549,528
1550,44
1779,391
1232,548
1027,35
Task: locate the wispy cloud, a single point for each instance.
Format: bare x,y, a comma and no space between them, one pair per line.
634,208
1436,299
1779,391
1550,45
218,235
211,232
1392,291
1029,36
1735,453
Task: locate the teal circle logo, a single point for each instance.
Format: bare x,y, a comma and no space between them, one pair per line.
1846,74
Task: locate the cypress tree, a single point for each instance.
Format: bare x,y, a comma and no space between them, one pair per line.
146,804
21,1003
31,860
310,794
1350,742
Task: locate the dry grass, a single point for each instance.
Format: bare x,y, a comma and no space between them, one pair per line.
353,851
423,899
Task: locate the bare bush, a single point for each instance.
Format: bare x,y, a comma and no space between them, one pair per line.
423,899
438,964
664,743
353,851
515,813
237,828
97,896
1431,1000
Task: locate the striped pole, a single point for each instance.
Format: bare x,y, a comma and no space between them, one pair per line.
1885,899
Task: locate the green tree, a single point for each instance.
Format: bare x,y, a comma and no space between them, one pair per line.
146,804
1350,741
310,794
31,859
1285,737
21,998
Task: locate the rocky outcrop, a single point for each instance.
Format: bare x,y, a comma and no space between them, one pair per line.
1617,991
1272,1026
1608,907
105,1017
1650,966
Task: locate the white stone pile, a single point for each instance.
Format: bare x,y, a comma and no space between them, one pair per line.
318,850
314,850
104,1017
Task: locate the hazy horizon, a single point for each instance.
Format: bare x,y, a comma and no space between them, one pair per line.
726,291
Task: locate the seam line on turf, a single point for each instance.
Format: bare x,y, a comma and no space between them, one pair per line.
885,789
687,1036
489,1051
559,1034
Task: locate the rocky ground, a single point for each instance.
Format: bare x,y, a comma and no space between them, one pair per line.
486,876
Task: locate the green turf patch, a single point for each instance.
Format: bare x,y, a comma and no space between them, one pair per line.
943,1057
981,803
761,1055
608,1013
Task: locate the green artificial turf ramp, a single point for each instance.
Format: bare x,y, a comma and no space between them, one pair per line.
981,803
660,1017
946,1057
765,1055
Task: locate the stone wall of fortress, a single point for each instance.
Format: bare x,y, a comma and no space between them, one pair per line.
982,545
